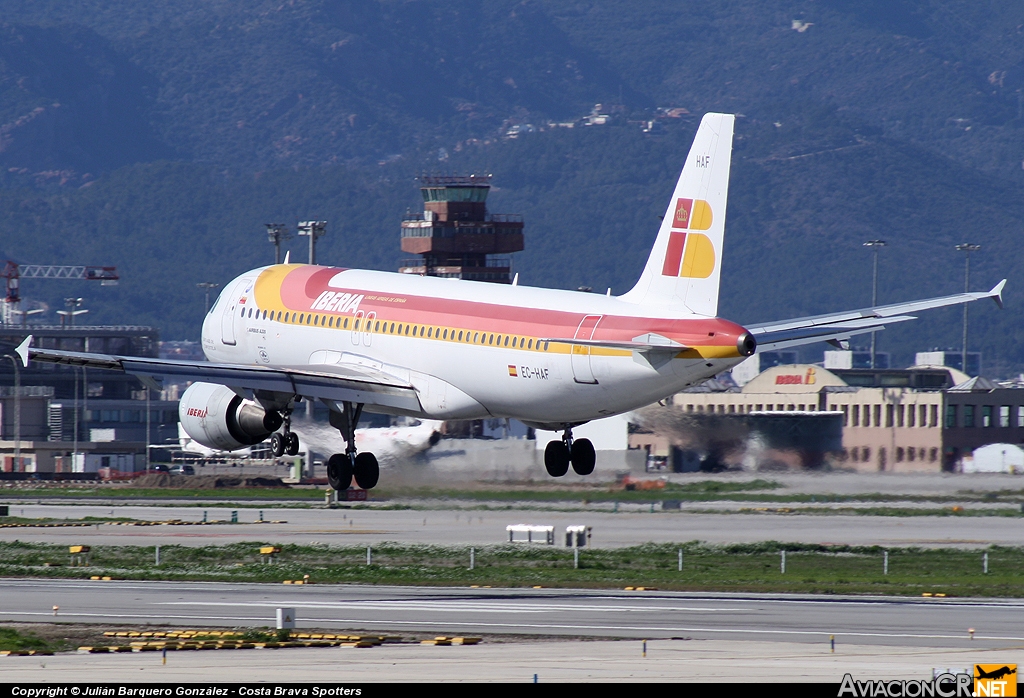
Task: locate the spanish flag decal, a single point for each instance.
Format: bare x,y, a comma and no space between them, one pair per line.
692,214
512,371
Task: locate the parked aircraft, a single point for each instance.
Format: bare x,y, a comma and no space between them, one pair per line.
435,348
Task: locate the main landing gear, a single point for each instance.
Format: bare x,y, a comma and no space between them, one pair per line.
342,467
579,452
287,441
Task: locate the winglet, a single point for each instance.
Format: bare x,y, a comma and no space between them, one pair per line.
22,350
287,257
996,293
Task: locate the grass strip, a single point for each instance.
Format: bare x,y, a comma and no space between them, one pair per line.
810,568
15,641
397,496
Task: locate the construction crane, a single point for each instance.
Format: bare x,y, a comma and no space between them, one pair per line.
14,273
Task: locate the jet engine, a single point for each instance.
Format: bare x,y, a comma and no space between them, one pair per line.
216,417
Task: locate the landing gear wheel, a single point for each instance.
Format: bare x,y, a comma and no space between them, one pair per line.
366,470
583,456
293,443
339,472
276,445
556,458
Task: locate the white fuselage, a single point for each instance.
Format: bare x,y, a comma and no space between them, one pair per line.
471,349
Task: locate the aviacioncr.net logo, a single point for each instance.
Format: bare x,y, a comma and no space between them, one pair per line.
942,686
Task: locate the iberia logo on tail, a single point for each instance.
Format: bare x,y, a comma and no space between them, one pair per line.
690,254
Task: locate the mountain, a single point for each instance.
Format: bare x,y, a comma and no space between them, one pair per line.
161,137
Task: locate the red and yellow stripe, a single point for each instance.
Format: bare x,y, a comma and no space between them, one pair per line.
288,293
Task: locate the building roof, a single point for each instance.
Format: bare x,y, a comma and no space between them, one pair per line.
978,384
795,378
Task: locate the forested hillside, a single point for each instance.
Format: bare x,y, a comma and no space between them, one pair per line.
160,137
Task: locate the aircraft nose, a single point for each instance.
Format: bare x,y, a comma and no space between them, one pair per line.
746,345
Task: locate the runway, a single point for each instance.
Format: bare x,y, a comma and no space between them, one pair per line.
556,661
487,527
525,612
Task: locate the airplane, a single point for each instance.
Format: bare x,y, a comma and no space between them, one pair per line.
189,445
444,349
995,674
387,443
399,441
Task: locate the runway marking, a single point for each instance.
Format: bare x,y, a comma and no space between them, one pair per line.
538,626
449,606
219,587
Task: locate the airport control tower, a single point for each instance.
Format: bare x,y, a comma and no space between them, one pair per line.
455,236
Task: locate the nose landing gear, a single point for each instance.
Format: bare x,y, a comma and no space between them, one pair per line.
558,455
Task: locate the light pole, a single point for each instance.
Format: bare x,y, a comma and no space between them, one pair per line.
875,245
207,286
17,412
313,230
68,316
74,437
968,248
148,437
278,233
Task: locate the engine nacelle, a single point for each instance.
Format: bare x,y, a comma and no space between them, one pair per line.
216,417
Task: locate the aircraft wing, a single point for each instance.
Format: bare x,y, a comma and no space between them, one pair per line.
343,383
839,327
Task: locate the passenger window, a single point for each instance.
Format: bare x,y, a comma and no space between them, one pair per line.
529,345
476,336
445,334
460,335
346,323
301,318
376,327
506,340
393,328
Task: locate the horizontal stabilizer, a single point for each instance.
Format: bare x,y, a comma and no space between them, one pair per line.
841,326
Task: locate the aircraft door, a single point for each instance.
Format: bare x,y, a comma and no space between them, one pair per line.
356,321
580,354
367,336
227,318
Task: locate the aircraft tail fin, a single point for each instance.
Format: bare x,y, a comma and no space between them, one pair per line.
685,265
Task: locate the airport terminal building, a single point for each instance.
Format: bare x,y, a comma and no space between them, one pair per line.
921,419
